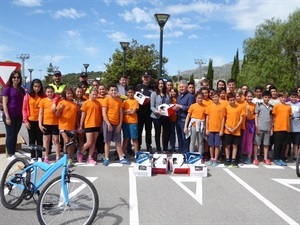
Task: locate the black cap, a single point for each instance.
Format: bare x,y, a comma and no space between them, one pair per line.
57,72
83,74
146,74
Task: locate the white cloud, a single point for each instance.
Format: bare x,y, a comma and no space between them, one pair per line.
193,36
247,14
5,48
136,15
28,3
118,36
198,7
126,2
38,11
68,13
73,33
55,59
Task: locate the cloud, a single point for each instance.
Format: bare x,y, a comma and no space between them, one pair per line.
73,33
38,11
193,36
118,36
68,13
27,3
5,48
55,59
126,2
136,15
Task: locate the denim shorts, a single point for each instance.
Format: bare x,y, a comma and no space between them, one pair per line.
130,130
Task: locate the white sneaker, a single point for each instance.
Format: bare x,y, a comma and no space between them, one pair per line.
31,161
99,157
11,158
40,160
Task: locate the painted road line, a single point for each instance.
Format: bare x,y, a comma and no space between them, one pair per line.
289,183
273,207
293,167
274,167
198,180
133,202
244,166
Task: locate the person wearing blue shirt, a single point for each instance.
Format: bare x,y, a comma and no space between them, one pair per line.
184,100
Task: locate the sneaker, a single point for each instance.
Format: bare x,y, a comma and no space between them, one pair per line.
215,163
255,162
267,161
57,159
124,161
79,157
234,164
40,160
11,158
294,159
32,160
46,160
227,163
91,161
105,162
99,157
210,162
277,162
247,160
282,163
70,162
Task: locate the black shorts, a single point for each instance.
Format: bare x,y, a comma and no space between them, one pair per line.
51,129
295,138
92,129
230,139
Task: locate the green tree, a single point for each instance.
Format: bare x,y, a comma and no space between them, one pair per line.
210,73
139,58
235,69
192,79
270,54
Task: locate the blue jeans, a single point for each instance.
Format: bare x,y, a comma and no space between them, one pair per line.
12,132
173,136
183,143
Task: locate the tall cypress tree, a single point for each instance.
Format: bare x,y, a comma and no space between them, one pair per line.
235,69
210,73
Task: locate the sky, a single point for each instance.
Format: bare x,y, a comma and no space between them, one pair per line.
69,33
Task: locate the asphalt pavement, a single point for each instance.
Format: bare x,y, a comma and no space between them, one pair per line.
246,195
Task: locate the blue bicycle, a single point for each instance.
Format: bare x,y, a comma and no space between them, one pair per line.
69,198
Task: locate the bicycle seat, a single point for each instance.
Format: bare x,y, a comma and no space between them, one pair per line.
37,148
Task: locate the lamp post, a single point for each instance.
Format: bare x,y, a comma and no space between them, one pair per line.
161,20
124,46
86,66
178,73
40,74
30,75
199,62
23,57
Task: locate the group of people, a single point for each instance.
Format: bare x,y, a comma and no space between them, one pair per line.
225,120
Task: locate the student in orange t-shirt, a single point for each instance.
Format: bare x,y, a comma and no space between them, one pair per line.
206,100
91,119
281,120
215,127
48,123
248,137
79,99
67,118
113,117
130,120
173,118
239,100
232,133
195,123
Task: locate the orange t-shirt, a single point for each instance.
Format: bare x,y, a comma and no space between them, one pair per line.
242,104
34,107
224,102
101,100
68,116
215,114
93,112
113,106
197,111
282,113
252,109
173,117
207,102
232,118
129,104
49,117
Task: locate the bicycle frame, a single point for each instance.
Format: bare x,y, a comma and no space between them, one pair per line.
49,171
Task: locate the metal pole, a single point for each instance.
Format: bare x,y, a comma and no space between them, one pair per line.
160,52
124,62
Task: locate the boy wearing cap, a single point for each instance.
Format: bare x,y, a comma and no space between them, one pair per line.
144,111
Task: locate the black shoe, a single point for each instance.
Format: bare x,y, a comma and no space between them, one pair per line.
227,163
149,149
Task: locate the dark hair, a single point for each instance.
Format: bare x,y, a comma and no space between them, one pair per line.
272,87
10,81
204,89
164,90
123,76
231,80
84,83
258,87
64,92
131,88
32,92
191,83
111,85
266,93
249,91
198,93
221,89
222,81
215,92
231,95
49,87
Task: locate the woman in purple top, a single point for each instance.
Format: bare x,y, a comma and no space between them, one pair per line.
13,95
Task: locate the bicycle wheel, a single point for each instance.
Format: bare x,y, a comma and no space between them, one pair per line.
298,164
12,189
83,207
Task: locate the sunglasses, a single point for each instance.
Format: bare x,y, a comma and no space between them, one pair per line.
15,77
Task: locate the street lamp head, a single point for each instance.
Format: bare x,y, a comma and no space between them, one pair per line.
161,19
124,45
30,70
86,65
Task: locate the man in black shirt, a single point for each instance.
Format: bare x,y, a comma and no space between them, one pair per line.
144,111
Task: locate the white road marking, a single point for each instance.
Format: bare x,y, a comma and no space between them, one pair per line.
133,202
274,167
198,180
244,166
273,207
288,182
293,167
115,165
